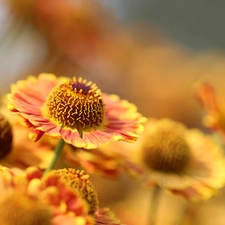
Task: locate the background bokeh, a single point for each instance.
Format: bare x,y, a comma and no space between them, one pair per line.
195,24
151,53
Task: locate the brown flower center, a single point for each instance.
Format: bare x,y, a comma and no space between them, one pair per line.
166,152
77,104
21,209
6,137
81,183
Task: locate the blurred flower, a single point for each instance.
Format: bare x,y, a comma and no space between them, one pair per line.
16,148
104,163
5,136
214,117
107,160
83,31
54,199
106,217
184,161
75,110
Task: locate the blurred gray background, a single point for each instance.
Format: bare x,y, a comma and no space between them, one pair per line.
197,24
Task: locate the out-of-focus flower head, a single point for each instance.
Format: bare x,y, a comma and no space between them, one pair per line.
6,136
184,161
107,160
104,163
16,148
83,31
214,108
53,199
75,110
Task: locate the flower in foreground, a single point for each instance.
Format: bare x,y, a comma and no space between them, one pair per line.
184,161
75,110
16,150
61,197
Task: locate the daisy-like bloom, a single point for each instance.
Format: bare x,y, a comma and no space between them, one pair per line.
214,117
184,161
75,110
16,149
62,197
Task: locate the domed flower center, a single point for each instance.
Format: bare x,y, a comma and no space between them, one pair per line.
166,152
6,137
77,104
81,183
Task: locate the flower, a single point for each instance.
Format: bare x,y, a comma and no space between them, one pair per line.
185,161
214,117
101,161
77,180
107,160
5,136
53,199
84,31
16,149
106,217
75,110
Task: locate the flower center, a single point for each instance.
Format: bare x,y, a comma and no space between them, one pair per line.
81,183
6,137
77,104
166,152
21,209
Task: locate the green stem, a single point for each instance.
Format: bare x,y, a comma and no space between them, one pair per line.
58,151
154,205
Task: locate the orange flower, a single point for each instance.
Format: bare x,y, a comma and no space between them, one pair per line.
75,110
16,149
107,160
61,197
103,163
214,117
84,31
184,161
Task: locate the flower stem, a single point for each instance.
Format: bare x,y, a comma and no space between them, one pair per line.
154,205
58,151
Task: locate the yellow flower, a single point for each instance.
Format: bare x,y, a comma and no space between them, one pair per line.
78,180
61,197
184,161
75,110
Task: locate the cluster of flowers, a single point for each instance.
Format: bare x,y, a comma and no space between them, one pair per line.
104,135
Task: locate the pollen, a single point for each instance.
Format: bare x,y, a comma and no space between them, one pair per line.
6,137
80,182
76,104
166,152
